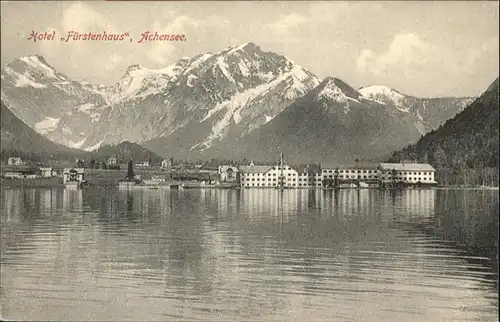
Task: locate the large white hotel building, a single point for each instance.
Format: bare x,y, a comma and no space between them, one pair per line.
283,175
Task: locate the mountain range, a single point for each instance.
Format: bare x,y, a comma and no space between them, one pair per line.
239,102
469,139
18,136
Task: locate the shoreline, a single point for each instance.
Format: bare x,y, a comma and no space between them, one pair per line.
56,182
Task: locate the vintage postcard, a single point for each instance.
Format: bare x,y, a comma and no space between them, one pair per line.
249,161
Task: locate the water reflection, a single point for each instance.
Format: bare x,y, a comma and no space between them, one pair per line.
259,254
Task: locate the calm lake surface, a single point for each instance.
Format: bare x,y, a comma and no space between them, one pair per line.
255,255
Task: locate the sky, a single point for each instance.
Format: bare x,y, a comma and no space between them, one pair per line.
425,49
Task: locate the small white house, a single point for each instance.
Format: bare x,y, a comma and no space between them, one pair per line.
13,175
143,164
73,175
15,161
166,164
158,179
48,172
112,161
228,172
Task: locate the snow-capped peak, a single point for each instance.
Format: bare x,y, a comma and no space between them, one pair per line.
38,63
382,93
337,90
249,46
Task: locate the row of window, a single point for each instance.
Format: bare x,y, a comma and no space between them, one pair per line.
410,179
409,173
351,171
374,172
264,179
263,174
341,177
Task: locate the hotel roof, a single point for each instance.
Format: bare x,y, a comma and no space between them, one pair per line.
407,166
254,168
76,170
361,166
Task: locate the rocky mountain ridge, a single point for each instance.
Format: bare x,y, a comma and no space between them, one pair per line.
193,106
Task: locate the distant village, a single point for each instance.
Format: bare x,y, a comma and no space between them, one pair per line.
249,175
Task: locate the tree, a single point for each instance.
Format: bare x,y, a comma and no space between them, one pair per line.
80,163
394,174
464,173
440,158
130,170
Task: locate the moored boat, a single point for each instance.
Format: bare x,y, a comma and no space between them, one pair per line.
205,185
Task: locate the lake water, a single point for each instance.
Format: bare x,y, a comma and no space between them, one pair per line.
254,255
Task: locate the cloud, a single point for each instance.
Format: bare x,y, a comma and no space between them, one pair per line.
161,52
408,54
327,11
405,51
295,27
82,17
287,22
475,53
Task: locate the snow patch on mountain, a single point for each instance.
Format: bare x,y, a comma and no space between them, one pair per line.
381,93
190,79
140,82
66,130
195,64
299,83
85,108
466,102
76,145
332,92
95,146
34,62
234,49
241,100
22,80
49,124
224,68
269,118
244,69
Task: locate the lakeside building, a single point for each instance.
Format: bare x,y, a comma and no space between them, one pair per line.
309,176
363,175
167,163
281,175
228,173
112,161
15,161
48,172
344,176
408,173
73,175
22,172
143,164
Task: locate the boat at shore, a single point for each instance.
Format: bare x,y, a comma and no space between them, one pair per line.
205,185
